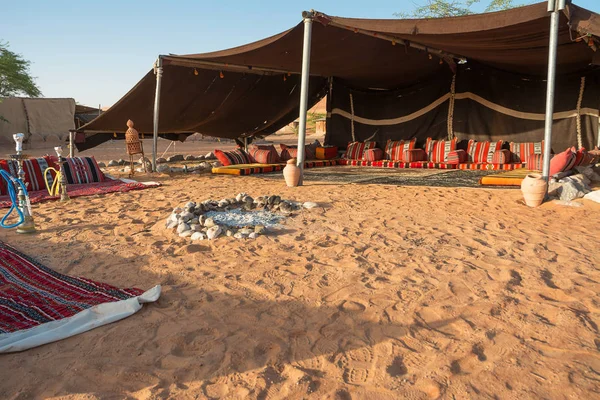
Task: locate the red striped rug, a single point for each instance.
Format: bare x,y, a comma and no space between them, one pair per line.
39,305
79,190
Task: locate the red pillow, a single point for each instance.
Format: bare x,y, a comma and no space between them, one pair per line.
263,154
356,150
373,155
394,150
438,150
237,156
289,152
562,162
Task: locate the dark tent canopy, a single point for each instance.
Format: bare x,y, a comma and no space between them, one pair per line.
492,67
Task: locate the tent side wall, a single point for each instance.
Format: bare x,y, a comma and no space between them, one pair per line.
489,105
44,121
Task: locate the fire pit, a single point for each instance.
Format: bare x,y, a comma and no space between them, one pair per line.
240,217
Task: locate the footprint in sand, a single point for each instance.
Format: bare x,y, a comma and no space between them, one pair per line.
358,365
303,355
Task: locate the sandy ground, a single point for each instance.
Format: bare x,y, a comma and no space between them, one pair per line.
383,292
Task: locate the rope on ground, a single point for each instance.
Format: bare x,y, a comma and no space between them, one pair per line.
352,118
451,108
579,101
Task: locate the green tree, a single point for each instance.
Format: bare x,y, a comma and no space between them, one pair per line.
15,79
453,8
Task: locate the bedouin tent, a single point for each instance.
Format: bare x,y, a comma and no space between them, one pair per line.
477,76
43,121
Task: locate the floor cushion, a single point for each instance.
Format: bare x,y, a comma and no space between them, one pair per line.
501,156
262,154
457,157
373,155
520,152
482,152
535,162
356,150
34,172
562,162
414,155
394,149
233,157
438,150
79,170
289,152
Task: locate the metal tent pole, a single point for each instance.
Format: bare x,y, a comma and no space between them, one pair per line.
304,91
158,70
71,144
554,7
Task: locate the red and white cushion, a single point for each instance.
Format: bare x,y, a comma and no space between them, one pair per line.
457,157
482,152
438,150
263,154
535,162
356,150
373,155
34,172
80,170
233,157
520,152
289,152
394,149
414,155
501,156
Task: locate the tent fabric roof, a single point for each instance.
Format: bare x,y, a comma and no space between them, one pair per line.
348,48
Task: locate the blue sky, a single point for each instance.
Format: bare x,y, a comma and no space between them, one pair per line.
96,51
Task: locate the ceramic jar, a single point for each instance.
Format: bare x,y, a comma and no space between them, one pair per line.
291,173
534,189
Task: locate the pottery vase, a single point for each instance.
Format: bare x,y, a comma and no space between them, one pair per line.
291,173
534,188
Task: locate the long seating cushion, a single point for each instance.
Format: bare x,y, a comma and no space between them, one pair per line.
233,157
520,152
289,152
535,162
34,172
373,155
394,149
438,150
79,170
414,155
457,157
482,152
262,154
356,150
501,156
562,162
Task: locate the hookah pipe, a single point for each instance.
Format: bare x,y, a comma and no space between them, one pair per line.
59,185
20,202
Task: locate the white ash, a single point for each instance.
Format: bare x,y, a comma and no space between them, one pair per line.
236,217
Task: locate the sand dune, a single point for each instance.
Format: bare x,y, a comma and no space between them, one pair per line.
381,293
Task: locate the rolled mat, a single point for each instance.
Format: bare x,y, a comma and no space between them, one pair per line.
509,178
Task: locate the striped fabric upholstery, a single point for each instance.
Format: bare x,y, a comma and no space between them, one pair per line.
263,154
414,155
34,172
397,164
457,157
289,152
355,150
520,152
438,150
535,162
80,170
490,166
394,150
501,156
237,156
373,155
482,152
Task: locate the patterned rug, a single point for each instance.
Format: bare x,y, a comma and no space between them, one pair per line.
39,305
88,189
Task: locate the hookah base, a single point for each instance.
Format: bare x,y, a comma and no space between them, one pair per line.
28,226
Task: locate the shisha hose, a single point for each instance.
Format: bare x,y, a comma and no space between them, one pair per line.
11,183
56,185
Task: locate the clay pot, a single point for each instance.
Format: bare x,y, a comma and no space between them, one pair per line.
291,173
534,188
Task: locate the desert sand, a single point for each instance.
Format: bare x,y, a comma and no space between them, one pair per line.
382,292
